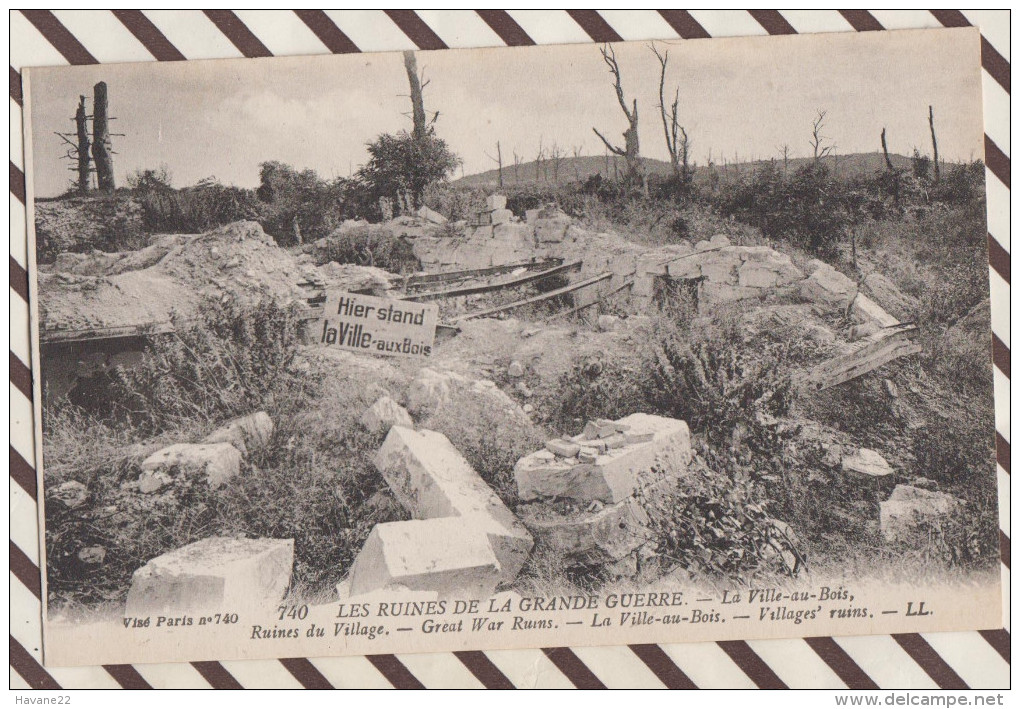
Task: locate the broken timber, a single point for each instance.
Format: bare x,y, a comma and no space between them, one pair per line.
421,279
870,353
536,299
498,285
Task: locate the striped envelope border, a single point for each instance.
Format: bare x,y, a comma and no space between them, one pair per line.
920,661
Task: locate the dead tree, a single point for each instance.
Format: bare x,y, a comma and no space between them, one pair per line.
577,166
101,152
499,162
934,143
631,152
84,167
417,96
885,152
784,150
517,167
677,140
538,159
817,139
557,159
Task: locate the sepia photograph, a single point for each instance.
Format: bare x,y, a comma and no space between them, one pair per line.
639,342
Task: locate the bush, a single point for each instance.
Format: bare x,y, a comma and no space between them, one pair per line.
371,246
107,222
300,203
228,363
719,525
195,209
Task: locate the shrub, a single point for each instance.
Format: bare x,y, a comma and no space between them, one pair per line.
195,209
371,246
719,525
402,166
300,203
228,363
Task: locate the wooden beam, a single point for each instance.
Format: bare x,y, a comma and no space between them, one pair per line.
536,299
489,287
444,276
869,354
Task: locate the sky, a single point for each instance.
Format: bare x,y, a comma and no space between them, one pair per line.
743,97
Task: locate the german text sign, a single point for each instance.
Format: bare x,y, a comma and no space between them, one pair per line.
364,323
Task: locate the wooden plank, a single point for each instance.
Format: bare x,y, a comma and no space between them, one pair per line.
879,349
490,287
579,308
105,333
536,299
416,280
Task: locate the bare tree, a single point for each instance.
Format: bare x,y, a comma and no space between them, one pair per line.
418,85
577,149
538,158
817,139
517,167
631,152
677,143
784,150
557,160
499,161
934,143
101,152
885,152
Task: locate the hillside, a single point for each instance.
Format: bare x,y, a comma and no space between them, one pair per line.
571,169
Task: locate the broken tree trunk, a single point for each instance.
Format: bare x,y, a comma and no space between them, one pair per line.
417,98
934,143
101,138
84,161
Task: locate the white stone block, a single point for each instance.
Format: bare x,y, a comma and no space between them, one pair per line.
217,574
495,201
252,431
218,461
436,555
904,516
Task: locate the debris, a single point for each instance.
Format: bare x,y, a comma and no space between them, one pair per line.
515,370
218,461
867,462
153,481
92,555
385,413
72,493
256,429
562,448
891,388
431,216
909,510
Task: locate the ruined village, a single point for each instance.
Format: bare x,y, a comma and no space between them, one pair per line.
644,374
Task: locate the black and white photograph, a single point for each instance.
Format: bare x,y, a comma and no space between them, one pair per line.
638,342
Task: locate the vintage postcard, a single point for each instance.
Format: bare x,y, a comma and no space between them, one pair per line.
519,347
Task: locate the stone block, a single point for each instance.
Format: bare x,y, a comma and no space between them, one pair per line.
431,479
217,574
501,216
551,230
562,449
613,531
495,201
867,462
868,312
703,246
253,431
722,293
768,273
218,461
829,288
719,241
437,555
686,267
720,268
904,516
431,216
385,413
615,475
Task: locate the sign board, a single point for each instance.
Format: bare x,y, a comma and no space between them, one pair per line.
365,323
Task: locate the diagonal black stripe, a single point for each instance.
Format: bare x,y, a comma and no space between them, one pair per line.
21,376
506,27
305,673
484,670
26,570
30,670
16,87
573,668
930,661
663,667
17,183
416,29
19,279
23,473
841,663
59,36
127,676
595,25
238,33
395,671
753,666
149,35
327,31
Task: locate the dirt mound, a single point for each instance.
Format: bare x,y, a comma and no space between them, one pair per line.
174,274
